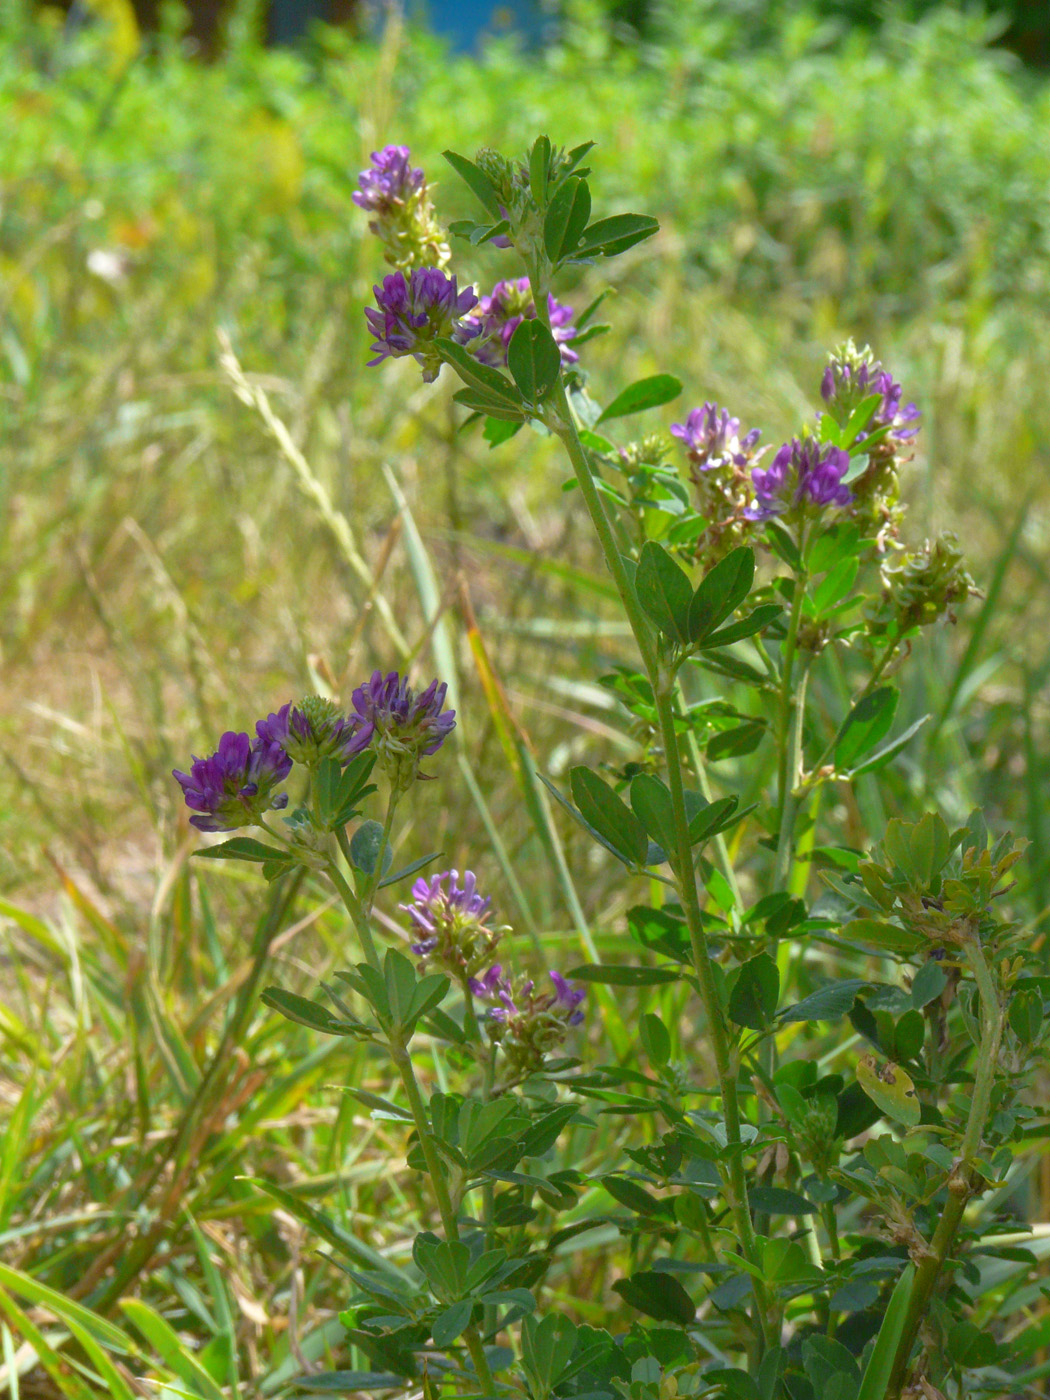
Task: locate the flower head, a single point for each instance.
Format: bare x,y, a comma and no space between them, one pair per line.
502,312
411,313
712,438
803,474
920,587
853,375
390,180
234,787
452,920
526,1022
403,727
395,193
313,730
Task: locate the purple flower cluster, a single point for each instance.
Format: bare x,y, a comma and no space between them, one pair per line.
803,473
502,312
712,438
313,730
852,376
411,313
403,727
234,787
453,921
527,1022
389,180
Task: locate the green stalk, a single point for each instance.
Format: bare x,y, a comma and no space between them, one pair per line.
368,899
791,715
403,1061
353,905
790,774
964,1181
663,687
722,860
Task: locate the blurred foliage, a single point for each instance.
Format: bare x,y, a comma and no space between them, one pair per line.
168,566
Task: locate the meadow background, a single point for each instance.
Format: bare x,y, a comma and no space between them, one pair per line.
176,560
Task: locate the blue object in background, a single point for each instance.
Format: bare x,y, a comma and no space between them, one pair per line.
464,24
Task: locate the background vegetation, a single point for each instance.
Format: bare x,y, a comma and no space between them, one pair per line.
175,560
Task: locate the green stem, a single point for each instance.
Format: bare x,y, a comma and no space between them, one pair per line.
435,1171
722,860
353,905
663,686
964,1181
790,776
368,898
790,718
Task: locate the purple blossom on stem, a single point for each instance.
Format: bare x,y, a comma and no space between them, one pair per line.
528,1023
853,375
502,312
712,438
803,473
493,986
402,726
453,921
412,313
313,730
388,181
234,787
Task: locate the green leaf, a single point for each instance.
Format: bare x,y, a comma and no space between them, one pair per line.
490,406
483,379
755,621
566,218
165,1341
628,1193
657,1295
497,431
604,810
365,846
930,847
534,360
245,848
653,392
970,1346
308,1013
776,1200
753,1001
664,592
927,984
449,1324
876,1377
866,725
410,869
651,801
539,168
735,743
622,975
721,591
882,935
828,1003
655,1038
882,757
890,1090
615,235
835,585
711,818
478,181
1026,1014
